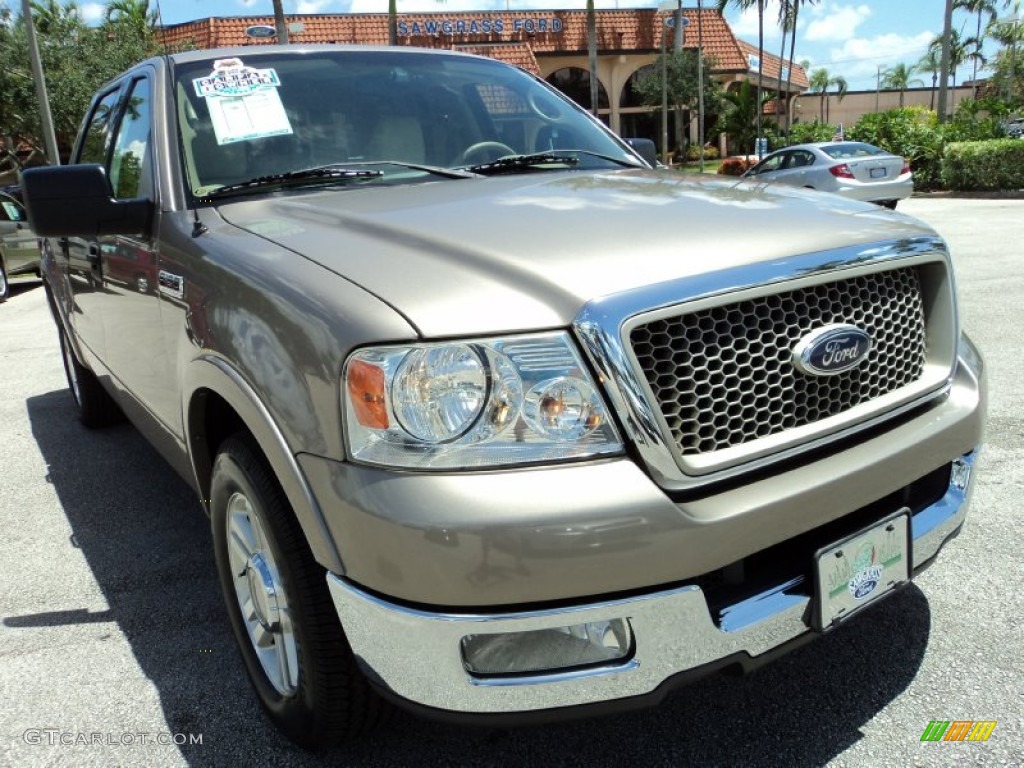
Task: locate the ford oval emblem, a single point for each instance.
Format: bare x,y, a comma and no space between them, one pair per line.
831,350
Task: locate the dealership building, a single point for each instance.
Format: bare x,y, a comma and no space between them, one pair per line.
549,44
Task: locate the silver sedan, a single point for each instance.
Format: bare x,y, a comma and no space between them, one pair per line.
850,168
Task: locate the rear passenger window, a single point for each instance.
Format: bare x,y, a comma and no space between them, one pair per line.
94,146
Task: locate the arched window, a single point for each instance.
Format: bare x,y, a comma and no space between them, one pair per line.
575,83
630,95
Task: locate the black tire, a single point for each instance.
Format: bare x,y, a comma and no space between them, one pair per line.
95,407
5,287
322,698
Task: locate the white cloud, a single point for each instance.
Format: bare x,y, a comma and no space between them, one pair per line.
92,13
861,57
835,22
312,6
744,26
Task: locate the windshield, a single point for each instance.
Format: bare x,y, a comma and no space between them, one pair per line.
264,114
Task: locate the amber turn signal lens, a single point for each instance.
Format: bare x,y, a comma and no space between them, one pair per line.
366,390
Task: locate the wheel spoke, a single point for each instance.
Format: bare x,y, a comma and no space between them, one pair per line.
239,550
261,637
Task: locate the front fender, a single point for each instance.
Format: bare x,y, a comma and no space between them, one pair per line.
209,375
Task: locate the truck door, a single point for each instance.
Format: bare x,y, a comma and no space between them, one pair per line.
127,307
78,257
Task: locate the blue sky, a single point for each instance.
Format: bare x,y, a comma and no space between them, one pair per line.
847,37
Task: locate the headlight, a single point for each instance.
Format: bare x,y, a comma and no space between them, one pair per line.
486,403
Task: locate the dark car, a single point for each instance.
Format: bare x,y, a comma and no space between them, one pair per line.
1014,128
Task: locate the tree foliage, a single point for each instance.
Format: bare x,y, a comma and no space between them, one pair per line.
681,82
915,133
739,121
681,85
77,59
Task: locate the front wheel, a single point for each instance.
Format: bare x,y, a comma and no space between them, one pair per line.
5,288
281,612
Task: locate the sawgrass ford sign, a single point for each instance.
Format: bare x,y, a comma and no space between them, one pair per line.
480,26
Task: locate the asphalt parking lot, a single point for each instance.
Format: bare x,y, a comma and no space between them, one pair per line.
114,644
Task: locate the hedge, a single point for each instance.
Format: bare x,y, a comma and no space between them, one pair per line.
984,165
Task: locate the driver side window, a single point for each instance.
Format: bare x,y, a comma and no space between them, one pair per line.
771,164
96,140
130,168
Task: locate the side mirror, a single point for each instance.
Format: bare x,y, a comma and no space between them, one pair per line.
77,201
646,149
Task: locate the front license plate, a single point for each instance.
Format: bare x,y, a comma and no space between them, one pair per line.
861,568
877,173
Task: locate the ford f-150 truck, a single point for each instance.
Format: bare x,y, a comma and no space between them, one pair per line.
492,417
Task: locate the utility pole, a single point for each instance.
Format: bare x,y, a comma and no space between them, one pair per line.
947,32
700,82
677,28
280,23
878,85
664,95
45,117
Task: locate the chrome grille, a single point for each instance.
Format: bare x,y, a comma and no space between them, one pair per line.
723,376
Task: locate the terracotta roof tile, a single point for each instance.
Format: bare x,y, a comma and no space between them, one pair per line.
772,64
516,54
518,39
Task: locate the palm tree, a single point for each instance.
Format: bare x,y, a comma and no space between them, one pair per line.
282,27
789,12
134,14
959,51
821,81
785,24
51,15
981,8
740,120
743,5
592,53
931,62
1009,33
900,77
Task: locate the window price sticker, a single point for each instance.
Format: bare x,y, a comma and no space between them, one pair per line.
244,102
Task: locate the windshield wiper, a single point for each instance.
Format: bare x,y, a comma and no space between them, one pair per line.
515,163
448,173
327,173
557,157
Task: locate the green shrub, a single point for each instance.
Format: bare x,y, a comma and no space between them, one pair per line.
808,133
913,132
735,166
977,120
693,153
993,164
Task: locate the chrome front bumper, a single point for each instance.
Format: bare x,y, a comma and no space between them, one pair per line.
416,654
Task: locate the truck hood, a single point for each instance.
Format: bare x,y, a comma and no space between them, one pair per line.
476,256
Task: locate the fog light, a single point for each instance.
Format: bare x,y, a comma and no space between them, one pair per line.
960,475
547,650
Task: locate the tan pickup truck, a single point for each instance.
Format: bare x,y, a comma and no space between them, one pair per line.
491,417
